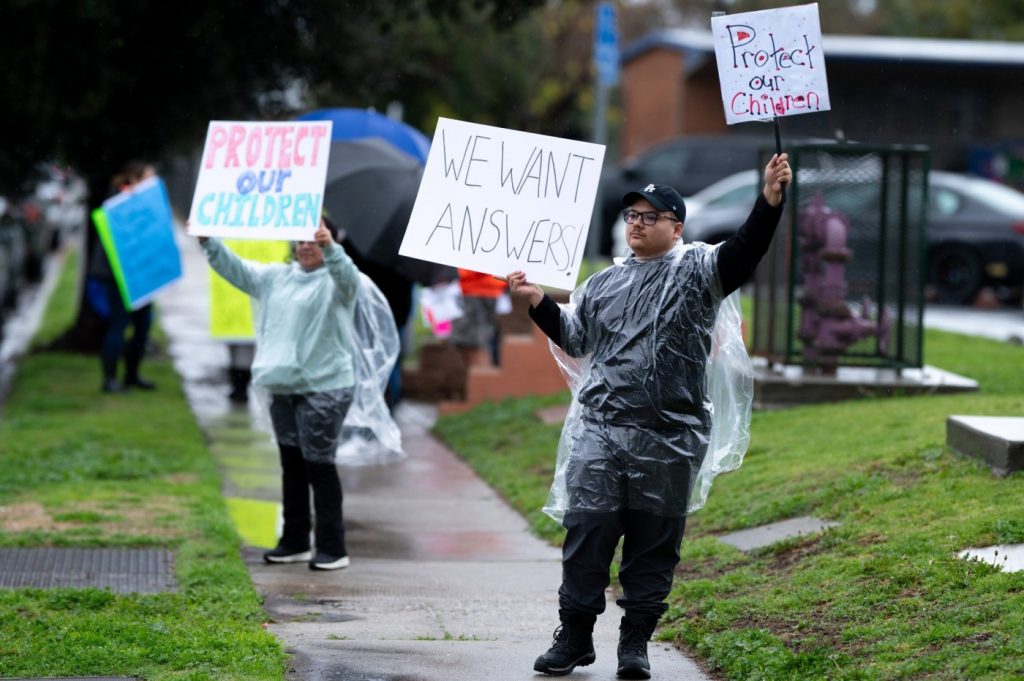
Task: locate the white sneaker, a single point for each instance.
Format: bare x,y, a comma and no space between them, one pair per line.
324,561
284,555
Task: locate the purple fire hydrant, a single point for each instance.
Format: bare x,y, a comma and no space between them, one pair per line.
828,325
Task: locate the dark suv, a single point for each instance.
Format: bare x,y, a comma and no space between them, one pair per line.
687,163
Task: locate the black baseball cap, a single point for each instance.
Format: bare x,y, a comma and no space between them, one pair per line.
661,196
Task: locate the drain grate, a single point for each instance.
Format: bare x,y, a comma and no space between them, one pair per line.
144,571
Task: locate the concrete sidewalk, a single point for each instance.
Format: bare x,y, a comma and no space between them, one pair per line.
1002,324
446,581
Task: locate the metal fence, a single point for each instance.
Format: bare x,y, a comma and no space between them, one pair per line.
843,283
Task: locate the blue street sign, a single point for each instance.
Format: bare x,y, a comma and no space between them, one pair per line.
606,44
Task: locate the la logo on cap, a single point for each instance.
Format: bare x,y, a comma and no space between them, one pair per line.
649,188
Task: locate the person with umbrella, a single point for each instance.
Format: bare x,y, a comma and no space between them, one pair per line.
304,358
374,184
633,447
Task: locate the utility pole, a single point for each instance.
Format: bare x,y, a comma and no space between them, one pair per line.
606,76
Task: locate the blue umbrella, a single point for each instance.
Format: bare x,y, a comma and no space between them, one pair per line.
350,124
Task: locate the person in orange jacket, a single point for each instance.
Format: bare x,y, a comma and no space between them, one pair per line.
477,328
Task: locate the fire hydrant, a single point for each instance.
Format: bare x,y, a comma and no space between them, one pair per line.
828,325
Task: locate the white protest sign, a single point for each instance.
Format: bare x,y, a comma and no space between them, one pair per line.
496,200
261,180
770,63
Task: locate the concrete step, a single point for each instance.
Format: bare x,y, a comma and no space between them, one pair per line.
996,440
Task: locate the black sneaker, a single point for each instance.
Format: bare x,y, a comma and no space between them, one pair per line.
573,646
325,561
284,554
632,651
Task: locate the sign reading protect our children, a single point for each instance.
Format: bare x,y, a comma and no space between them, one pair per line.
770,63
136,228
496,200
261,180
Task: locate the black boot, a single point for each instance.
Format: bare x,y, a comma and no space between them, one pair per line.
132,359
239,385
634,632
573,647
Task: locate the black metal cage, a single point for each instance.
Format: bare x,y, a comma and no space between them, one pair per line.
843,282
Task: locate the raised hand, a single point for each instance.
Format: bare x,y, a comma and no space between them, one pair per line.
518,286
776,174
322,237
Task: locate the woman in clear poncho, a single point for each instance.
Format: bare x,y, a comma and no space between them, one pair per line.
640,337
308,357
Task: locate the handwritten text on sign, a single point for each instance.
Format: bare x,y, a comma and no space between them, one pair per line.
136,228
496,200
261,180
770,63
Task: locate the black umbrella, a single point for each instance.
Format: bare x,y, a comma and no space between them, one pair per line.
370,190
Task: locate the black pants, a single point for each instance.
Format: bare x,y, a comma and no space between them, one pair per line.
650,553
113,339
298,475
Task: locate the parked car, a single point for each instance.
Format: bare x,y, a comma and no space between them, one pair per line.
13,251
686,163
52,207
6,274
975,236
61,195
975,227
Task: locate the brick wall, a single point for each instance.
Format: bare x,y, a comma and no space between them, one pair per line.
653,91
527,367
660,101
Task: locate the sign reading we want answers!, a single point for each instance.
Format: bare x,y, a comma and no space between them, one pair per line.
262,180
496,200
770,63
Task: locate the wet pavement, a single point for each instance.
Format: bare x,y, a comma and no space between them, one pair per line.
446,580
20,323
1003,324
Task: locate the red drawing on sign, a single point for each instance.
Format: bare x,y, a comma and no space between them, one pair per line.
742,35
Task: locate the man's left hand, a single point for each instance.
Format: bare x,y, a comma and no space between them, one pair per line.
776,174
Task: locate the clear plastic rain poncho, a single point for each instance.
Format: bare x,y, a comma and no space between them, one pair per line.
661,385
369,434
320,334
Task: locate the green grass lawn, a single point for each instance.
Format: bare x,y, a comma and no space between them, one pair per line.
880,597
80,468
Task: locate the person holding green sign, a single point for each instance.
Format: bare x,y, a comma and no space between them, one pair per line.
304,358
118,318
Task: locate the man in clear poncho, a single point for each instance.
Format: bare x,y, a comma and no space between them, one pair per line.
306,352
640,423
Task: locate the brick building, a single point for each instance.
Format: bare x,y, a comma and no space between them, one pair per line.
962,98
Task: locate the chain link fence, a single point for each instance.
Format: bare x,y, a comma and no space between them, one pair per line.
843,283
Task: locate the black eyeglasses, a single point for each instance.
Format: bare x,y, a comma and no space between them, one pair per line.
649,218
